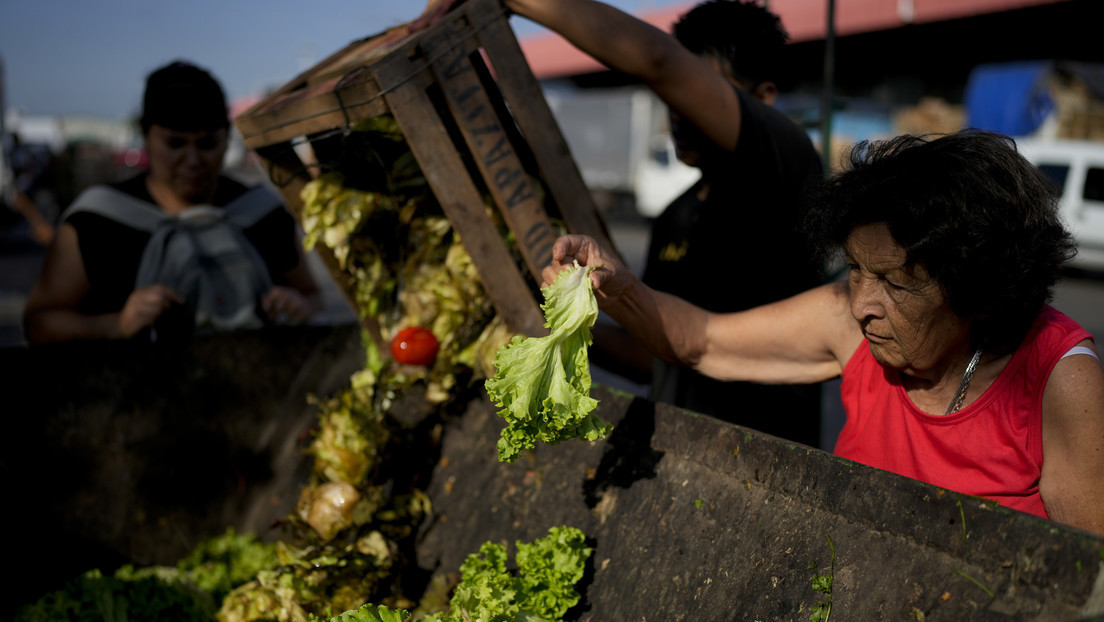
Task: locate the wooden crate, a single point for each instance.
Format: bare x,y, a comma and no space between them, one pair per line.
462,92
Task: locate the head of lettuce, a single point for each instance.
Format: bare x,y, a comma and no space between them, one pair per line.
542,384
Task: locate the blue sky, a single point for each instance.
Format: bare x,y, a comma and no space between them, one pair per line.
90,57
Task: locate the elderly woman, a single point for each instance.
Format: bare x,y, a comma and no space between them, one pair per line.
955,369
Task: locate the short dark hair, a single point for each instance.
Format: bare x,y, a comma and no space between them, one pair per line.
968,207
184,97
745,36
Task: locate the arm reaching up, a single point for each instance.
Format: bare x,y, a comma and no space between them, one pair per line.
690,85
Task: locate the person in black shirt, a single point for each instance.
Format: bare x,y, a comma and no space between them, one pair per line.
717,75
88,288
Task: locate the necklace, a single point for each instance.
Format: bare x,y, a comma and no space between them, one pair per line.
967,376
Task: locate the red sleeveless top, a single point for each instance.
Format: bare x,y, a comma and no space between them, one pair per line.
991,448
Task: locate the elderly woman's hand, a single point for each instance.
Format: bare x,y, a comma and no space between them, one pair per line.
610,279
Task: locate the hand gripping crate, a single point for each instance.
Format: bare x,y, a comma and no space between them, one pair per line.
462,93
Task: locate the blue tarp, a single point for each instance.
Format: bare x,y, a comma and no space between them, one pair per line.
1010,98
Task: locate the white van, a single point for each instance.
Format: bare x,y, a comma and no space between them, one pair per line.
1078,167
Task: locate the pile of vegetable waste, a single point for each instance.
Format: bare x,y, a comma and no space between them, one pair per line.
404,264
349,541
352,534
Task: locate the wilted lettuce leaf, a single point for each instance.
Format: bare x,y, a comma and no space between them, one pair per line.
543,383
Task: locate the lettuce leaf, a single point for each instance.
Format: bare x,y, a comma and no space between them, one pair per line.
549,569
540,589
368,613
542,384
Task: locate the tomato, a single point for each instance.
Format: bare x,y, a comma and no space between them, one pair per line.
414,346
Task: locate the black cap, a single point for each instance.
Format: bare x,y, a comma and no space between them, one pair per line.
183,97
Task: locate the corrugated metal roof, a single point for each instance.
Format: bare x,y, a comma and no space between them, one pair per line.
805,20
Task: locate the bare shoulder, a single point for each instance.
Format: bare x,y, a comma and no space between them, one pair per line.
1075,389
1072,481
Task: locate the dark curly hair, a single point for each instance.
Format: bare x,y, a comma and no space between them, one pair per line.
980,218
746,37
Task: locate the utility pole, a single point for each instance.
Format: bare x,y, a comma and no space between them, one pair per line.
829,87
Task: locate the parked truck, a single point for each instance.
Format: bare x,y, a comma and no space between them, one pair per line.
1054,111
1077,167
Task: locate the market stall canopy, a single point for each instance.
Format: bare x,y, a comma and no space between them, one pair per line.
550,56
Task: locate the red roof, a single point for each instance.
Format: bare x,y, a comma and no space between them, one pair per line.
549,55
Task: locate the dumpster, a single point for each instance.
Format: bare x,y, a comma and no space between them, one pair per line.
693,518
118,453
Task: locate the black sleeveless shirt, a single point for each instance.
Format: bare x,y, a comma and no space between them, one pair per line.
111,251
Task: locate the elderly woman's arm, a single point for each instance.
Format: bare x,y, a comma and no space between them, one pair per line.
806,338
1072,482
802,339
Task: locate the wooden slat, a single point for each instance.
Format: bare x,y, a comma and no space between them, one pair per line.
310,113
287,173
502,170
460,200
522,91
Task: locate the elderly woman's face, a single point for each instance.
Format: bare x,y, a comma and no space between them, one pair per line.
187,162
903,312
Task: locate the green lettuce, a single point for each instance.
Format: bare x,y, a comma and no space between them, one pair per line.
542,384
368,613
541,589
129,595
218,565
